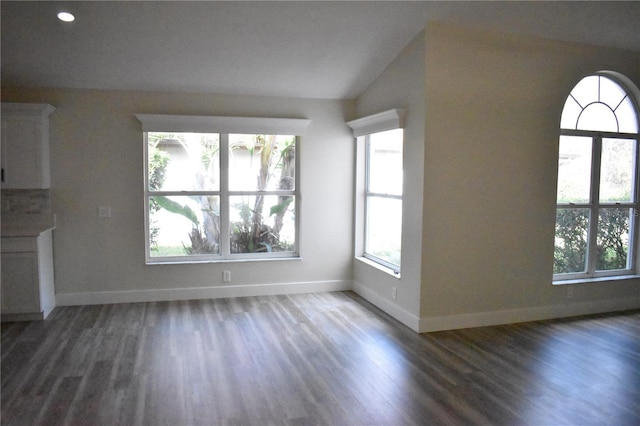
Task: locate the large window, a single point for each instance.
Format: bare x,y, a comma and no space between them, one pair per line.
597,194
379,188
220,195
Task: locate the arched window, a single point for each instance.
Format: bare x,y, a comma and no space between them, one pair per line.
597,194
599,103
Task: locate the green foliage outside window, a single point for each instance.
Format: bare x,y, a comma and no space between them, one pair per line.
261,216
613,240
157,170
252,233
572,230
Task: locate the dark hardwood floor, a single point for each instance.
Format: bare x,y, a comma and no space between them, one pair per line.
328,358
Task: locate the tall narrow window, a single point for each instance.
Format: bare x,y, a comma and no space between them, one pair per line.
597,194
222,191
379,188
383,198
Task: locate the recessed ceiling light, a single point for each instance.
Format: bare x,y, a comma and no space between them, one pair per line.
66,17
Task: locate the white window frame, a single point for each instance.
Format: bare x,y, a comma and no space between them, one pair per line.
222,126
594,205
362,128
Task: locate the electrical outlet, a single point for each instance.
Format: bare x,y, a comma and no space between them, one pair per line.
394,293
226,276
569,292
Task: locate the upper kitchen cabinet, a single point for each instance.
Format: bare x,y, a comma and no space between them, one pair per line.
25,146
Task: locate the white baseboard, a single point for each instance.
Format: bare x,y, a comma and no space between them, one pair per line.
511,316
421,325
156,295
387,306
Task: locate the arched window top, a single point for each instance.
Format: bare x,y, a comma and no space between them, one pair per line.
600,103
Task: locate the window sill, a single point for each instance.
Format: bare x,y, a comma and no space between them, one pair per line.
596,280
379,267
220,261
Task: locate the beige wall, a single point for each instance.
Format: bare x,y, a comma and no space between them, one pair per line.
401,85
493,104
481,147
478,233
96,155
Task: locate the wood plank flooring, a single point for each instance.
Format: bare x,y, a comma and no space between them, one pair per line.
326,358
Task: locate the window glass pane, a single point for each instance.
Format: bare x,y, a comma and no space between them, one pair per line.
262,224
261,162
184,225
598,117
627,116
570,114
385,162
586,91
184,161
613,239
384,227
572,229
618,170
574,169
610,92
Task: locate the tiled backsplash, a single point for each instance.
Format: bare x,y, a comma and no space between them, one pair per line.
23,201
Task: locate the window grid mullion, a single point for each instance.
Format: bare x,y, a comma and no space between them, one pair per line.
383,195
145,152
636,182
596,162
367,164
634,231
177,193
281,193
597,133
225,245
296,194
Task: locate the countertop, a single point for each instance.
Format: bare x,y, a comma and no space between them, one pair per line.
26,225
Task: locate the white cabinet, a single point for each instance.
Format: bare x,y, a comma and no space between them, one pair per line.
28,291
25,145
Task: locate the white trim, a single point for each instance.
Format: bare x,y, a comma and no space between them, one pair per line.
626,84
379,266
37,316
209,124
511,316
600,279
42,110
405,317
386,120
169,294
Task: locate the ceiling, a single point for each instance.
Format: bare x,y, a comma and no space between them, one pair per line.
309,49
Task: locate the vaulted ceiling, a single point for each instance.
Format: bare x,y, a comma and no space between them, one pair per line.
310,49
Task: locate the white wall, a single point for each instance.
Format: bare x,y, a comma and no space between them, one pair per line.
401,85
96,155
491,145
